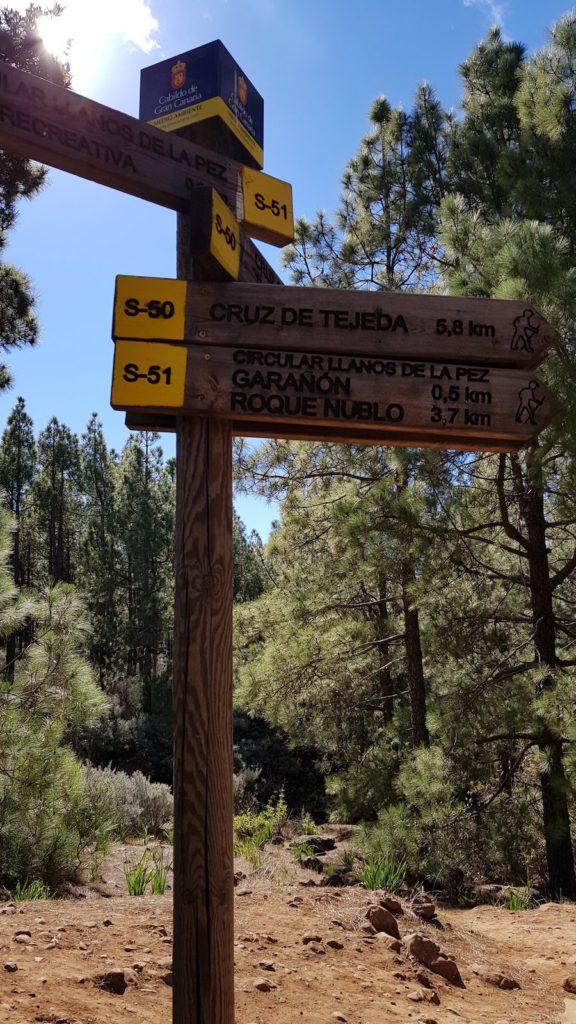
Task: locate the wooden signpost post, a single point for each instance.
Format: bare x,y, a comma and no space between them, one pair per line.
223,349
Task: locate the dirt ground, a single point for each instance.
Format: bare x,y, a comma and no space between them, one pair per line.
56,958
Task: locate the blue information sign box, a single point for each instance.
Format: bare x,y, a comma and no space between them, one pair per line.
201,84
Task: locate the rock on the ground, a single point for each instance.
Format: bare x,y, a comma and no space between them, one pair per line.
499,980
394,906
266,965
430,954
318,844
424,996
312,863
263,985
423,906
569,984
309,937
112,981
11,967
383,921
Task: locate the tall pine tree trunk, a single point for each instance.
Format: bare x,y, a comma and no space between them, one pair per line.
556,817
385,678
414,666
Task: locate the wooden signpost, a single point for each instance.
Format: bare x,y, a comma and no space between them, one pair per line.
353,398
43,121
487,331
209,359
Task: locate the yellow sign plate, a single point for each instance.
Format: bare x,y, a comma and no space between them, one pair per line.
267,207
215,107
149,307
225,237
148,374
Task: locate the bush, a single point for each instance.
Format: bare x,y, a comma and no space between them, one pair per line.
138,807
253,830
48,828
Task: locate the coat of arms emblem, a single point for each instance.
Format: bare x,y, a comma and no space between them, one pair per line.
242,90
178,75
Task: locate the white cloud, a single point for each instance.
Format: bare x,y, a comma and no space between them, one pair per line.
494,10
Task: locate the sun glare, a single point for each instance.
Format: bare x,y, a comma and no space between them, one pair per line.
83,35
55,34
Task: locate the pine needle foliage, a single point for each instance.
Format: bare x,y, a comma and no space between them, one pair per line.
47,826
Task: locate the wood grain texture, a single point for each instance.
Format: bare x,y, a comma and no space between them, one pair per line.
203,952
202,705
143,420
386,396
486,331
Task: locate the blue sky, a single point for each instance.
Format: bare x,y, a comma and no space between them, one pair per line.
318,64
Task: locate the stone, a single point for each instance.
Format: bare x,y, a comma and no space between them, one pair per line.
263,985
419,946
499,980
317,843
423,979
167,978
340,1017
334,944
113,981
429,954
11,967
448,969
383,921
309,937
569,984
24,938
423,996
266,965
394,906
368,928
423,906
312,863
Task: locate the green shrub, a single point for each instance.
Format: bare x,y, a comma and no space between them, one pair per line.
263,824
302,850
138,807
30,891
383,873
158,871
137,874
518,900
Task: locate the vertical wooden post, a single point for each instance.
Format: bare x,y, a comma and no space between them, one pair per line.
203,951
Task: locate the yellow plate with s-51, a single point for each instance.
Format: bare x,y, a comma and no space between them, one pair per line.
147,374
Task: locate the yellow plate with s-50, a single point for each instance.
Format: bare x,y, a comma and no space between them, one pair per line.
149,307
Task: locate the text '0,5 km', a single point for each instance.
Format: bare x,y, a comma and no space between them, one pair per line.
422,400
486,331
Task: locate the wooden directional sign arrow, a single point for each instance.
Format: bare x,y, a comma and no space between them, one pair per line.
487,331
43,121
325,394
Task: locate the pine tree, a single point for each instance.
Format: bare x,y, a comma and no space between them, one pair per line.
58,503
101,554
21,47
